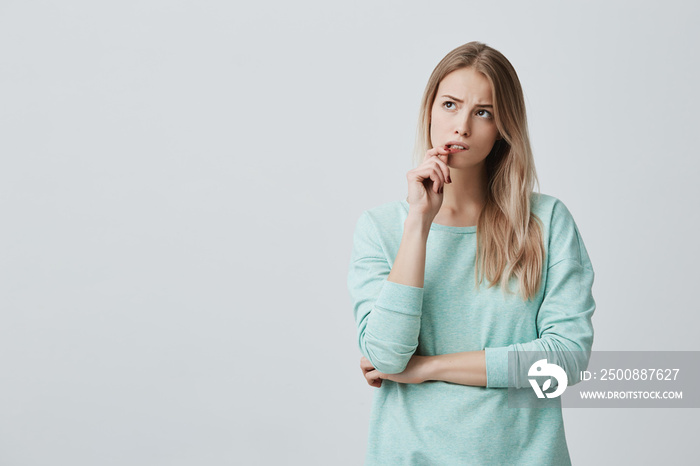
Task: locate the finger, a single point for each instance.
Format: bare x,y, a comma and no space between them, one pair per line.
366,365
443,150
444,168
439,154
430,153
438,179
431,170
439,150
373,378
425,172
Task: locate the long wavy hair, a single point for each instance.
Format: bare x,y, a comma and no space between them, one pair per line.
510,242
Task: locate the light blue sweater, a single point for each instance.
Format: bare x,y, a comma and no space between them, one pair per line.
440,423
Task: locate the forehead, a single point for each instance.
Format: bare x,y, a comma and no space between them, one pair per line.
466,84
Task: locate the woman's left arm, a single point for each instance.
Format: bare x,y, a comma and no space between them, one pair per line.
564,328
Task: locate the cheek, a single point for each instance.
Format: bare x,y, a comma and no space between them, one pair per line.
436,122
490,131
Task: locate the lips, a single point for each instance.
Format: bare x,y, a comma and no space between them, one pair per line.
456,146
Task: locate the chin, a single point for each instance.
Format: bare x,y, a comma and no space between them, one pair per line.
463,163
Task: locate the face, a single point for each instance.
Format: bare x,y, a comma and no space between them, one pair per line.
463,114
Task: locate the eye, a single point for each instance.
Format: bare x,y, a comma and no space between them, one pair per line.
484,113
445,104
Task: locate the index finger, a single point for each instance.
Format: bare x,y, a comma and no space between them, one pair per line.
439,151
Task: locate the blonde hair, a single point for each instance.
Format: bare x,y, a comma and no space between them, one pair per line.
509,237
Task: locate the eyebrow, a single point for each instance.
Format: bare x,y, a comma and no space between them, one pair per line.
461,101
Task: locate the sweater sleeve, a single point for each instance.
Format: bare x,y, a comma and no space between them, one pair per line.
564,327
387,314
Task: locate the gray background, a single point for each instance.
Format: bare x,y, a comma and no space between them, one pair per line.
180,181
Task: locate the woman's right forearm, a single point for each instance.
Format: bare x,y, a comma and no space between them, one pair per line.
409,265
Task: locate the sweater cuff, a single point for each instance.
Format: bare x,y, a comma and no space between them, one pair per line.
497,366
399,298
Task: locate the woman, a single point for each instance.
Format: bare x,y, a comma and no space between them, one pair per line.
472,266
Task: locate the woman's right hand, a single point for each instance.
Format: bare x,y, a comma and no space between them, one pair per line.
426,183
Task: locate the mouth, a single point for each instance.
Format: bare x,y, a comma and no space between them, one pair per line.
456,146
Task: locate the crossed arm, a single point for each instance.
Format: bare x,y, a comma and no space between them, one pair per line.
388,317
467,368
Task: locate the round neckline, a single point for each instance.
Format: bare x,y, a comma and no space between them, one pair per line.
447,228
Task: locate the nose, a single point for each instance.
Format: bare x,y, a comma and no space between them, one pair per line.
463,125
